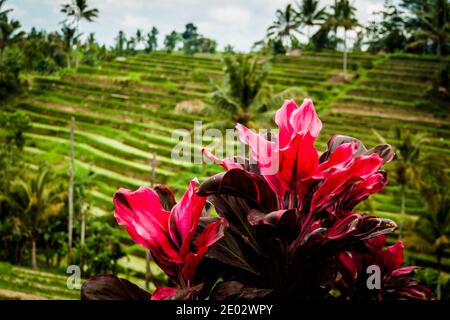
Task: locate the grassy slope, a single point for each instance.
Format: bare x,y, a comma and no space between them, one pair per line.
24,283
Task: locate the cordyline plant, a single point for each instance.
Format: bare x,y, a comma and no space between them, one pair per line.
289,233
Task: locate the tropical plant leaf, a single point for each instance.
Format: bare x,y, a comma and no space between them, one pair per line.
165,196
110,287
233,251
243,184
234,290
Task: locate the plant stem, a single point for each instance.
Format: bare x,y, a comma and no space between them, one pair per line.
33,253
402,211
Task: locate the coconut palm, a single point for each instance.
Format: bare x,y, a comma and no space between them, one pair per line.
131,45
83,182
139,37
432,229
408,163
35,198
345,14
9,29
77,10
433,24
244,95
389,34
152,40
284,27
310,14
244,89
121,41
408,149
333,18
69,40
3,12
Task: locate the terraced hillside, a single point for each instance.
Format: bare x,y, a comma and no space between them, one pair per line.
21,283
125,111
387,96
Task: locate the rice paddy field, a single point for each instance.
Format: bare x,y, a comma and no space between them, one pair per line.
125,111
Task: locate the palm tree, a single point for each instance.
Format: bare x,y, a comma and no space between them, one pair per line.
8,28
333,18
131,45
3,13
69,39
389,34
152,40
347,20
244,95
434,25
432,229
284,26
408,148
121,41
139,38
78,10
310,15
408,163
244,89
35,198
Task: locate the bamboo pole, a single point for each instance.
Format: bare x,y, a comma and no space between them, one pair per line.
148,256
345,53
71,180
83,222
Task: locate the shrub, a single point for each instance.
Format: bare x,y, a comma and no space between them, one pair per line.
286,229
101,250
10,66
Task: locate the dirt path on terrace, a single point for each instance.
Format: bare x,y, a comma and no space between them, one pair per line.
400,116
85,110
10,294
118,84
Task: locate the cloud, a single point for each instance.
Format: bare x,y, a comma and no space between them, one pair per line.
235,22
14,8
129,21
230,15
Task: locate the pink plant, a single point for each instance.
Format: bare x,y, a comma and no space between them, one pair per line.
287,226
168,232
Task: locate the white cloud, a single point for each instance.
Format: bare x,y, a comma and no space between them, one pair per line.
230,15
235,22
130,21
17,12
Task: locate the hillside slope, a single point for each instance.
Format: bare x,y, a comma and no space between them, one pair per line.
125,111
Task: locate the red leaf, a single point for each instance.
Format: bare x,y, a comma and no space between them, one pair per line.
162,293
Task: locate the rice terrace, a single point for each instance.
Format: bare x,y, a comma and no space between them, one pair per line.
351,108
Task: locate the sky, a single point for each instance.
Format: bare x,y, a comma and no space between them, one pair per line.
236,22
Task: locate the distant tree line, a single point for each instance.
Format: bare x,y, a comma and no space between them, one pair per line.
415,26
412,26
189,41
48,52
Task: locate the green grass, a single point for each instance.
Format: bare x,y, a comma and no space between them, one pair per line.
25,283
